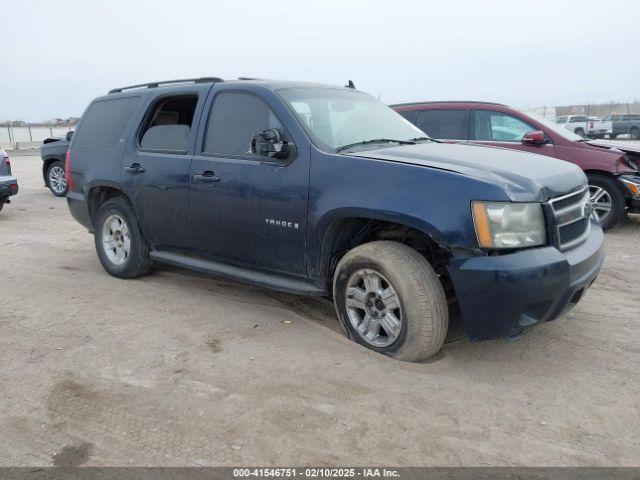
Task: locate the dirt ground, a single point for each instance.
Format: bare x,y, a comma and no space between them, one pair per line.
176,369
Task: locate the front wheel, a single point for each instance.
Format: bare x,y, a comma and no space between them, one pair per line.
390,300
579,131
121,248
634,133
607,200
57,179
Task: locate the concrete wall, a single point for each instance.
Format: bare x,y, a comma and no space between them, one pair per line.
20,138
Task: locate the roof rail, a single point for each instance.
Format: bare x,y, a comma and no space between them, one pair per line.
168,82
408,104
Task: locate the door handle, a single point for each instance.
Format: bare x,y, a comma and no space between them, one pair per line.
206,177
134,168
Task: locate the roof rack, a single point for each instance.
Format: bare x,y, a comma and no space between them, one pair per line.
445,101
168,82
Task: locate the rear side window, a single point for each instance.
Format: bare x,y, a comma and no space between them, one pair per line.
445,124
408,114
235,118
103,123
167,126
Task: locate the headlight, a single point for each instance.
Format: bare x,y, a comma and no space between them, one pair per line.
632,184
509,225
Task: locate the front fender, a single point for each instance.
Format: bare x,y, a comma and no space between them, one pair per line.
433,201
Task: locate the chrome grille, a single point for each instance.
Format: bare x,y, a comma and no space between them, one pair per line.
571,218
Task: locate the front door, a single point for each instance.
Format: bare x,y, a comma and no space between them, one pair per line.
504,130
245,209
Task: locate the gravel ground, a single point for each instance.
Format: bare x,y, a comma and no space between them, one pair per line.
179,369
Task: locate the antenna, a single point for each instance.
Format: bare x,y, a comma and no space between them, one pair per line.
350,85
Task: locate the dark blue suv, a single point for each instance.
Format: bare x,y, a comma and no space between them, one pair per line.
321,190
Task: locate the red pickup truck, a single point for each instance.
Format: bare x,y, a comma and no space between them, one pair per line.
614,174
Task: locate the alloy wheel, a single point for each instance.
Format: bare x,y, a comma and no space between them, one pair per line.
57,179
601,202
116,239
373,307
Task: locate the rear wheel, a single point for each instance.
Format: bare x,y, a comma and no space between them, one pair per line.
2,202
607,200
612,136
579,131
57,179
121,248
634,133
390,300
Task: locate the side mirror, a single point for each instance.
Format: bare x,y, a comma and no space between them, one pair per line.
69,135
534,138
269,143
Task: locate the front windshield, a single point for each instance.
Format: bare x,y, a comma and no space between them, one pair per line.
558,128
335,118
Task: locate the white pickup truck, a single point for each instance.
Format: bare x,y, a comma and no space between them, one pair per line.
585,126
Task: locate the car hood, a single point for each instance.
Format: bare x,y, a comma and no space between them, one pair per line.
524,176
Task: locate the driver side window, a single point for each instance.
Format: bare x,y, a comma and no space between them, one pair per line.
234,119
499,127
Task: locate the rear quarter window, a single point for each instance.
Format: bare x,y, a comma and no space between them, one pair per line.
103,123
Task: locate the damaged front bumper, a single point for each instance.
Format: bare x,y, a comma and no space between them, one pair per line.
502,295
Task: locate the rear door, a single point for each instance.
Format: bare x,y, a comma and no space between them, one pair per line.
156,167
443,124
246,209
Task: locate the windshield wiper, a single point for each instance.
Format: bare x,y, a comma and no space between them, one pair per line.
375,140
425,139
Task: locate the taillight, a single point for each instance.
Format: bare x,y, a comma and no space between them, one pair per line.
7,161
67,170
591,125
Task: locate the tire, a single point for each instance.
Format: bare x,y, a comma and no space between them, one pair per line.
57,179
116,225
579,131
2,202
420,300
612,136
634,133
599,183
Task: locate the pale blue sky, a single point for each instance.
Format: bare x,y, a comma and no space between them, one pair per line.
57,56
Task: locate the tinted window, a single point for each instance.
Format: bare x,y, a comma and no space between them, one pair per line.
446,124
561,120
579,119
103,123
167,126
499,127
235,118
408,114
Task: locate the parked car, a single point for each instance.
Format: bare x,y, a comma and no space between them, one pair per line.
53,153
603,128
622,124
583,126
320,190
614,180
8,184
